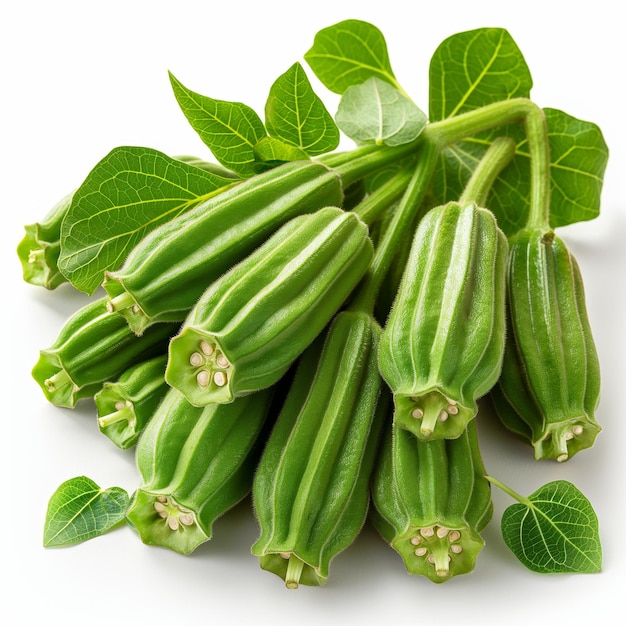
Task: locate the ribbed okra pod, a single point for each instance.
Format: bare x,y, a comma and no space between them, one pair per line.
39,250
252,323
550,383
165,274
311,489
92,347
126,404
195,464
442,345
431,500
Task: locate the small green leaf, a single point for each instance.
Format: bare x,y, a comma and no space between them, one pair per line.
555,530
297,116
127,194
377,113
271,150
79,510
229,129
349,53
474,68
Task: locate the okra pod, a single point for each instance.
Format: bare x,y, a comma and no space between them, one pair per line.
550,384
431,500
165,274
443,343
39,250
195,464
93,346
125,405
252,323
311,489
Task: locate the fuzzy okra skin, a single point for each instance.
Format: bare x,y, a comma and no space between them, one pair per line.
549,388
165,274
125,405
431,500
93,346
40,247
311,489
252,323
195,464
443,343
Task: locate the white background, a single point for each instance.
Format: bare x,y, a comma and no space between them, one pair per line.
81,78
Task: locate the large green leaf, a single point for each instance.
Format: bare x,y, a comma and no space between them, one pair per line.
127,194
296,115
554,530
348,53
375,112
80,510
474,68
229,129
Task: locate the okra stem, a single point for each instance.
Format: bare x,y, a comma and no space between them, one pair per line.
294,571
453,129
497,157
516,496
60,379
399,227
371,207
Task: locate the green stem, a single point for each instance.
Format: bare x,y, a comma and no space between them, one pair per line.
453,129
375,203
497,157
516,496
363,161
401,224
294,571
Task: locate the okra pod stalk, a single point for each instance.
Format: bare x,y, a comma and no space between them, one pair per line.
39,250
125,405
252,323
93,346
195,464
431,501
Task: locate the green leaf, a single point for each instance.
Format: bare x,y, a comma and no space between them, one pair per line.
579,157
377,113
474,68
349,53
555,530
273,151
79,510
127,194
297,116
229,129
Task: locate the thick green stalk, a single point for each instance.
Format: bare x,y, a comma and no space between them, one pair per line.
400,225
453,129
497,157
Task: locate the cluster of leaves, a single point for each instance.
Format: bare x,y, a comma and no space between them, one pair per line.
133,189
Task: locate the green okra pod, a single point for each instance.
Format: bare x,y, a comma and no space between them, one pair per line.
311,489
92,347
40,247
195,464
165,274
126,404
549,388
442,345
253,322
431,500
